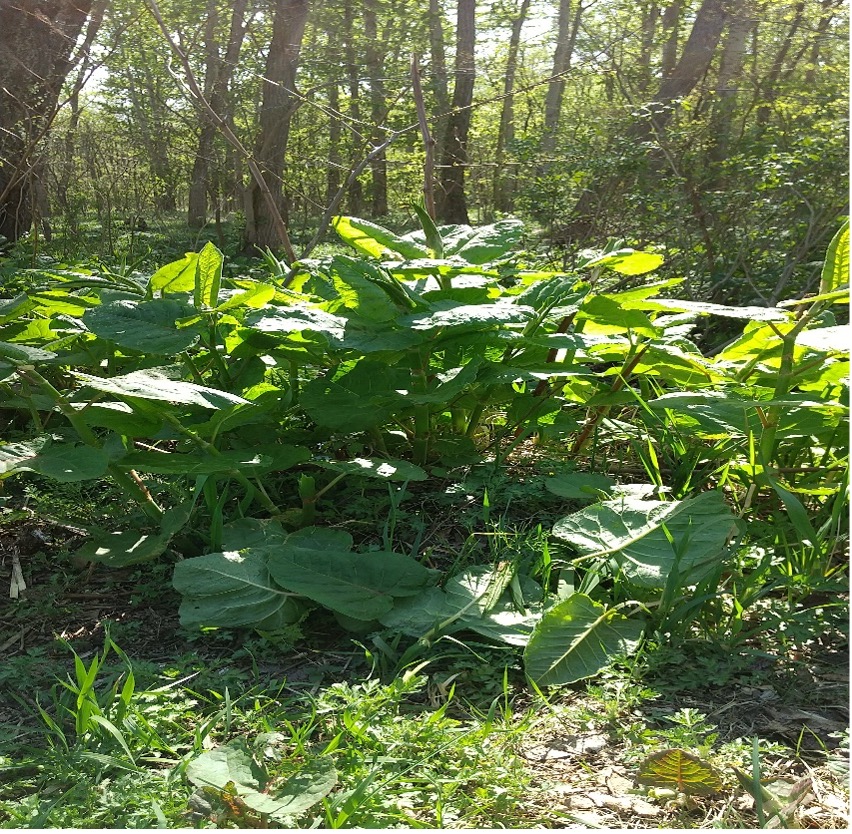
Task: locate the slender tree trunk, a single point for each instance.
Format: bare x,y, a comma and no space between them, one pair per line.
566,38
69,144
276,112
452,201
217,83
36,43
503,181
437,76
650,18
376,53
355,197
730,77
335,158
671,24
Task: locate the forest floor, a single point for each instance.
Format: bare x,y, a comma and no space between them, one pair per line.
496,754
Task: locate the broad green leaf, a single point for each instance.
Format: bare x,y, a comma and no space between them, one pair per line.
13,308
357,293
176,277
208,277
252,532
583,486
153,384
388,470
490,243
249,461
605,315
232,762
713,414
829,339
631,532
679,771
24,353
229,589
705,308
835,270
119,417
63,462
298,318
148,326
374,240
59,302
416,616
797,513
302,791
577,639
360,585
506,620
257,295
123,548
628,262
467,315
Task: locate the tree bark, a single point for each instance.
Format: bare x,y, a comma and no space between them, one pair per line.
276,112
438,83
376,52
504,183
452,201
37,42
566,38
730,77
217,83
355,197
671,24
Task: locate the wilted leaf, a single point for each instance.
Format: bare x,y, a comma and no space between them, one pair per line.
681,771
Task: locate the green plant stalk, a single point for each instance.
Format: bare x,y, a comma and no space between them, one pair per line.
210,449
784,382
422,416
630,362
130,486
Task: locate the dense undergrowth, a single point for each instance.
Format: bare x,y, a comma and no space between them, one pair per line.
437,442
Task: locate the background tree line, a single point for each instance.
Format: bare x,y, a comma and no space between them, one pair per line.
715,129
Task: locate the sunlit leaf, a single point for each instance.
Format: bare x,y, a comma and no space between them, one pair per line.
681,771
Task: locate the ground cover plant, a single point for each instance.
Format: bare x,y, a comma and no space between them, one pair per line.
694,495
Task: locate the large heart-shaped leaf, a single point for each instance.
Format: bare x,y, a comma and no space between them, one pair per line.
631,531
361,585
228,590
147,326
576,639
232,762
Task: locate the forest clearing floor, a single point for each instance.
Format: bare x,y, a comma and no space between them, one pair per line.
458,741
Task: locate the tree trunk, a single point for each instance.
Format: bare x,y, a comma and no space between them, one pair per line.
650,18
730,76
452,202
355,197
217,81
671,24
690,69
335,158
376,53
36,45
276,112
566,38
438,76
503,182
69,144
